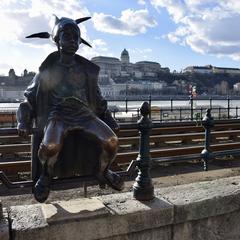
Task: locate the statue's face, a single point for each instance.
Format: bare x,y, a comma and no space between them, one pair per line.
69,40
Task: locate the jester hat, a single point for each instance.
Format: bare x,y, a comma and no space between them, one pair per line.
59,26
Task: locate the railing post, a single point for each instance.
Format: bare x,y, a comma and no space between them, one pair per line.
126,105
210,102
150,105
207,123
143,189
228,100
191,107
180,114
12,116
171,101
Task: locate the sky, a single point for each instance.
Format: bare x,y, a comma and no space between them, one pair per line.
175,33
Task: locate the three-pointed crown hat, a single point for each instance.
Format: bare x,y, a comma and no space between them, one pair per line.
60,23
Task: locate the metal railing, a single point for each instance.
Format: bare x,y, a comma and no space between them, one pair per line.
173,112
191,109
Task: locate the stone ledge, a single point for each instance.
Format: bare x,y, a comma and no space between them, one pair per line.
203,199
116,215
4,227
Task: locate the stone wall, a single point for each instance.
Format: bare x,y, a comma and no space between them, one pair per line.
201,211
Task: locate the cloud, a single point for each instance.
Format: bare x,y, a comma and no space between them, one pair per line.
99,47
130,23
141,2
207,26
20,18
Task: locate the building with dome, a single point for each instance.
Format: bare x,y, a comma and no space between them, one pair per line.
125,59
117,75
123,69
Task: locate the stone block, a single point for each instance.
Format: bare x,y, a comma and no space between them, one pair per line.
28,222
4,229
84,208
222,227
1,210
136,215
162,233
203,199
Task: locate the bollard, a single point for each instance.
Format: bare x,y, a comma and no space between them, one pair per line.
207,123
143,189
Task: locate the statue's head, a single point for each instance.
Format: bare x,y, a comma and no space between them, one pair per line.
67,36
64,28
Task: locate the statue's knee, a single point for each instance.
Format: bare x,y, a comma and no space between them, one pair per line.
111,146
49,150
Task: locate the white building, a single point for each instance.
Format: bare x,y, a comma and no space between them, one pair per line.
112,67
109,66
236,87
209,69
11,93
199,69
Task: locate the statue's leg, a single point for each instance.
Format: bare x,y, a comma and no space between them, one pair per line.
48,152
109,144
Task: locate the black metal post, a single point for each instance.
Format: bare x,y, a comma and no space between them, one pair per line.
143,189
210,102
126,105
207,123
180,114
191,107
160,113
13,122
236,111
171,104
150,105
228,99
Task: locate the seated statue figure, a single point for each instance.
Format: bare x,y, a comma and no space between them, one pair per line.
64,96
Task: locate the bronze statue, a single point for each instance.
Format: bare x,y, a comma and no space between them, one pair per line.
65,96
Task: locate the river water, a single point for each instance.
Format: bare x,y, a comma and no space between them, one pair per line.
165,104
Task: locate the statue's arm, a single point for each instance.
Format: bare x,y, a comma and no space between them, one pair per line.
103,112
26,110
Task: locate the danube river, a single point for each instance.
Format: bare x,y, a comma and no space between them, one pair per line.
164,110
164,104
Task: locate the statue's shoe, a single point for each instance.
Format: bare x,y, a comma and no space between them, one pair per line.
42,188
114,180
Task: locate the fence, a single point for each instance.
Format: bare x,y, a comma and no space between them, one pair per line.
171,111
127,110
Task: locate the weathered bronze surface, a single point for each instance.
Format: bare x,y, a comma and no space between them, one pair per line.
75,129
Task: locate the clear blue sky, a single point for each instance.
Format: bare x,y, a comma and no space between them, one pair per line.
175,33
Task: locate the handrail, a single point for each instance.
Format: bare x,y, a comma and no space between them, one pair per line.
222,129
